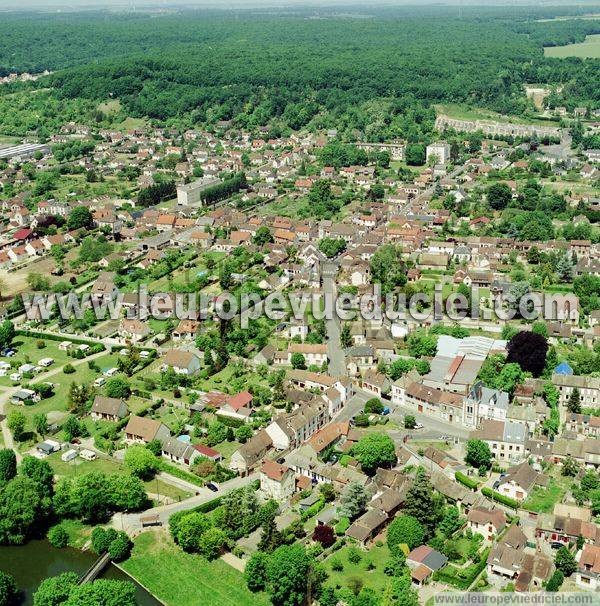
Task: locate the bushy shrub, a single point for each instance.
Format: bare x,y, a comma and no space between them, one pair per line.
58,536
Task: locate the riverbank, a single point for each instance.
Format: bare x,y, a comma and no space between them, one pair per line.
115,566
37,560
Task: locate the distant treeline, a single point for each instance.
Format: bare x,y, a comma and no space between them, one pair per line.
378,75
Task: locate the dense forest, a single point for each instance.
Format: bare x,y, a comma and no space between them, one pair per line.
297,70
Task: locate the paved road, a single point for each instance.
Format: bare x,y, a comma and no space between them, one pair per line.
337,359
433,427
131,522
431,424
353,406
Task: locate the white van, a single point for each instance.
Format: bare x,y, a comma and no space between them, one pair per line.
100,381
87,455
111,371
45,362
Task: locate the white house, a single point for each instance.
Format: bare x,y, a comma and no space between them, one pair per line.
519,481
487,522
276,481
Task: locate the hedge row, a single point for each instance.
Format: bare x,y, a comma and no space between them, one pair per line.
33,334
230,421
181,474
499,498
466,480
313,510
209,505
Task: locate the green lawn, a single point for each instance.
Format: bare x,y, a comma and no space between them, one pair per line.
227,449
79,467
286,207
376,579
181,579
27,350
589,49
542,500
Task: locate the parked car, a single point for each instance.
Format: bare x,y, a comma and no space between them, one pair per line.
419,425
212,487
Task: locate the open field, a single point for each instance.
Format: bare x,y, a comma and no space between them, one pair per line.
182,579
590,49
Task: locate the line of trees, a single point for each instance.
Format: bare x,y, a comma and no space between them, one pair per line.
149,196
224,190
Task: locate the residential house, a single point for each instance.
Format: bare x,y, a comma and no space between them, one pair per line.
143,430
182,362
238,406
178,451
367,525
314,354
506,439
589,389
506,557
186,330
423,561
376,383
489,523
566,524
484,403
104,289
276,481
587,575
291,429
519,481
248,455
583,425
437,402
134,330
108,409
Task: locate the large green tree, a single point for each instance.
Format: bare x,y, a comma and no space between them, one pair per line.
478,454
423,503
405,530
373,451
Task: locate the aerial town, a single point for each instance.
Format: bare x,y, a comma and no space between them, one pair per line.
359,457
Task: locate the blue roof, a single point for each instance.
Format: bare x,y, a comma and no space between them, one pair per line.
563,369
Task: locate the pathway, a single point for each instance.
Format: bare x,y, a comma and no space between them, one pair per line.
131,522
